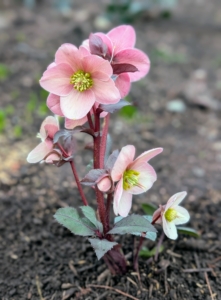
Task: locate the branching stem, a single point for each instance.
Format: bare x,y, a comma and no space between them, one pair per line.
78,183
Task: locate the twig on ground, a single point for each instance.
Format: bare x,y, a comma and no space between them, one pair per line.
208,284
165,282
197,270
38,287
150,290
71,266
112,289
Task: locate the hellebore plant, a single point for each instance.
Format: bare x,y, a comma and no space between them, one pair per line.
86,85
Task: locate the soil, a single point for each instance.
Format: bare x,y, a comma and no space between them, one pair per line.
39,259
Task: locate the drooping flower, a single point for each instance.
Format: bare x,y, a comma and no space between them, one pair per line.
172,214
117,46
134,176
44,151
80,79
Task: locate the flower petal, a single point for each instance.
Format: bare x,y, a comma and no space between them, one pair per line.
69,54
145,157
56,80
157,216
77,104
125,157
70,124
123,84
117,196
45,126
105,91
122,37
136,58
169,229
175,200
125,204
39,152
182,216
93,63
108,42
53,103
104,184
146,179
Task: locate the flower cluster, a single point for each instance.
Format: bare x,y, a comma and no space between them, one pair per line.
86,84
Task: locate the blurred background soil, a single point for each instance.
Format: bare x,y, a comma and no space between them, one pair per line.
177,107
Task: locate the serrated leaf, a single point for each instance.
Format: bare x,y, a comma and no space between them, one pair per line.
97,46
101,246
132,223
188,231
69,218
146,253
113,107
93,176
90,214
148,208
123,68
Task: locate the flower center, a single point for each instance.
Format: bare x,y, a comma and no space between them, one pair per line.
170,214
81,81
130,179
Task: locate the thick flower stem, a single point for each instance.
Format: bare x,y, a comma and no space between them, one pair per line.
78,183
104,140
90,122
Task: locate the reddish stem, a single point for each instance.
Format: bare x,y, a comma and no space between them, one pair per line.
137,253
108,205
90,122
78,183
104,140
157,218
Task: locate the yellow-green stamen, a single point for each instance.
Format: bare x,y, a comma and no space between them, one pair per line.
170,214
81,81
130,179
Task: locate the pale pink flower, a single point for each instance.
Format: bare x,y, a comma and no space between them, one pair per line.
172,214
47,131
105,184
79,79
119,50
134,176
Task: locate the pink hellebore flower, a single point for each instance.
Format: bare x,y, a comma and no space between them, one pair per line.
135,177
119,50
172,214
79,79
47,131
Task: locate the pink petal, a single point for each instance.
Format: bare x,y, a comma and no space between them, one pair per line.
169,229
105,91
145,157
146,179
136,58
53,103
50,120
123,84
104,184
182,216
125,157
70,124
39,152
51,130
93,64
69,54
125,204
122,37
56,80
53,64
52,157
157,216
77,104
117,196
175,200
84,50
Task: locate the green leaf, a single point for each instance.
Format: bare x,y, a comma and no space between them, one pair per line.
69,218
101,246
148,208
146,253
188,231
132,223
90,214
